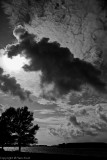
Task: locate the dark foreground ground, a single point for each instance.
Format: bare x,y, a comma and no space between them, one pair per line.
14,155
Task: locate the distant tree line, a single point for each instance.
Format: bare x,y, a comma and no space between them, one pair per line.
83,145
17,128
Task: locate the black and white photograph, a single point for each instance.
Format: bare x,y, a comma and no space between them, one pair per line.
53,79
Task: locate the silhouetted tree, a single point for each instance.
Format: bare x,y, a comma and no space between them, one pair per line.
24,130
16,127
6,127
3,133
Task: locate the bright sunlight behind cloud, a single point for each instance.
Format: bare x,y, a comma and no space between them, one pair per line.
14,64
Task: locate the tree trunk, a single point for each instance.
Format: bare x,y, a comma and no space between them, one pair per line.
19,148
19,144
2,147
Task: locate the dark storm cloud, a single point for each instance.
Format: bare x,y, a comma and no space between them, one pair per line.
9,84
57,64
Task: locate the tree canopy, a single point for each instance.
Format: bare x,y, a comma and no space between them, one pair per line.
17,127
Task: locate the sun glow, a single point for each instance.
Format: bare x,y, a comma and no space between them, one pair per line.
14,64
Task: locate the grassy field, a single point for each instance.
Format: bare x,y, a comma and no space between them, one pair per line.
99,152
7,155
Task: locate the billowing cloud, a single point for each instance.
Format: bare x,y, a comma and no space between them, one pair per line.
57,64
76,127
68,131
18,32
1,108
101,114
73,120
83,112
9,85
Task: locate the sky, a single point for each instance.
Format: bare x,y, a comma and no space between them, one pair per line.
56,65
6,35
